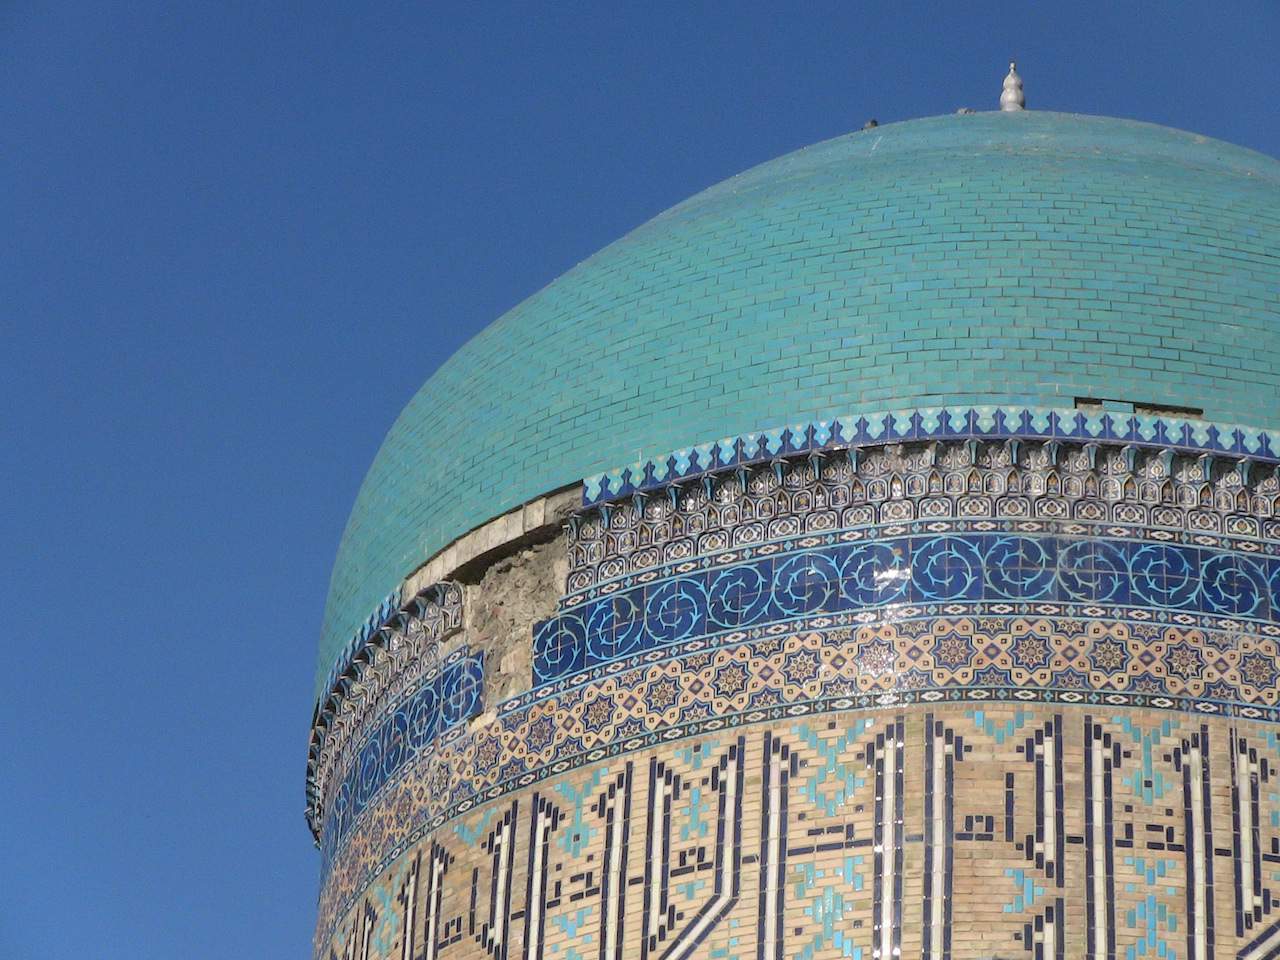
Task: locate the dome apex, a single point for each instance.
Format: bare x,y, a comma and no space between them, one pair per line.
1011,98
1028,258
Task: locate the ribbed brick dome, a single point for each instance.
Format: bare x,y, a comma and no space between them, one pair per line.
1025,258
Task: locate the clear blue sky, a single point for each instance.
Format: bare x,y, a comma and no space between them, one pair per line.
239,236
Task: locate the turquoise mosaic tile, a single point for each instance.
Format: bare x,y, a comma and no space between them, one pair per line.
951,262
850,430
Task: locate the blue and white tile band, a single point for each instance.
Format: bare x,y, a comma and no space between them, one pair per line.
840,578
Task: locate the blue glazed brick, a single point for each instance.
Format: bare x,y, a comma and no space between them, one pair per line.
915,570
1015,260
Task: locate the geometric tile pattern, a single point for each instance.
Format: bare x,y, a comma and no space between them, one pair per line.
448,697
1091,486
436,609
1004,830
928,661
1082,489
410,649
1026,705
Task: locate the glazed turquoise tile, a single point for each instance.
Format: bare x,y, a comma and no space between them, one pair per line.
1011,260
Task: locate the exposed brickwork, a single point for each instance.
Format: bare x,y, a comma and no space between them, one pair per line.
962,684
501,608
947,749
1023,259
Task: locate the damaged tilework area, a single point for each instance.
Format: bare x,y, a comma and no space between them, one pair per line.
961,699
920,659
951,262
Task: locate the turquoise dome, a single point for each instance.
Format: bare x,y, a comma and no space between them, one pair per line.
1022,259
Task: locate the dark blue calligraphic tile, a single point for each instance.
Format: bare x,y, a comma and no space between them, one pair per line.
875,573
395,744
806,583
1235,585
422,715
1163,575
947,568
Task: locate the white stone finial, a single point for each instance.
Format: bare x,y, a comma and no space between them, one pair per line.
1011,98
